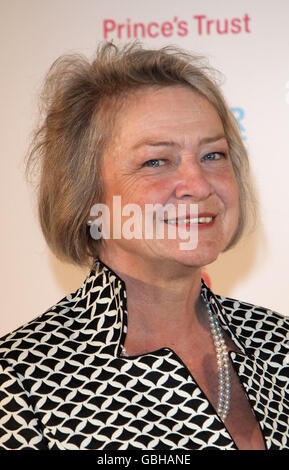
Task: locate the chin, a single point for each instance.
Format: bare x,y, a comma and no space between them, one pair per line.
208,251
198,260
198,257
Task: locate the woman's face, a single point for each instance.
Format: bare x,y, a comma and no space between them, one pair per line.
169,147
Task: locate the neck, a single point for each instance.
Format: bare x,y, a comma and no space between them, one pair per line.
159,294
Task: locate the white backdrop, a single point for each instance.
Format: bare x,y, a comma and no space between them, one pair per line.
247,41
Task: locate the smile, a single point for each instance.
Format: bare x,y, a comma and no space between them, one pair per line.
191,221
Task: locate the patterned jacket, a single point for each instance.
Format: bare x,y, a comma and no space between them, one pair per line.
65,385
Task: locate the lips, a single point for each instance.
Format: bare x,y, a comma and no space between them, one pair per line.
203,219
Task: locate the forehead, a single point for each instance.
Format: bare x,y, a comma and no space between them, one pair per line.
173,112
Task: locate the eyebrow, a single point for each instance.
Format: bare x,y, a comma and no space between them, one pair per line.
215,138
169,143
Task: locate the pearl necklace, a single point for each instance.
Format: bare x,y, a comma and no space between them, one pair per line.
224,386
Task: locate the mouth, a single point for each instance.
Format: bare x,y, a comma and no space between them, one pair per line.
202,220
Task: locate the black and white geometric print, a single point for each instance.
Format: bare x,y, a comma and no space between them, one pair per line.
65,385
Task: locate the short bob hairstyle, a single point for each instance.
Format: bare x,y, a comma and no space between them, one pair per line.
81,101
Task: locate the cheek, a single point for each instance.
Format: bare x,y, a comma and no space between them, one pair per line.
158,191
234,194
116,184
231,202
228,190
144,190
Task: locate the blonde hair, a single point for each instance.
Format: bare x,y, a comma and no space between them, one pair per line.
81,101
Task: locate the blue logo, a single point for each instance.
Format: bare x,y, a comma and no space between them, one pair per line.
239,114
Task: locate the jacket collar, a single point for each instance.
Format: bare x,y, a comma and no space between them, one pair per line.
103,280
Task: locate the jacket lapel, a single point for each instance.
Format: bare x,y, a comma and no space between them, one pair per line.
267,399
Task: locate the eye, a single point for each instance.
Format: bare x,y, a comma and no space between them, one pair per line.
154,163
214,156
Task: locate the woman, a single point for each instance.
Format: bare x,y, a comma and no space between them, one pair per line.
143,355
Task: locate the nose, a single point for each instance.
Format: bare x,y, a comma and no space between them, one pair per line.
192,182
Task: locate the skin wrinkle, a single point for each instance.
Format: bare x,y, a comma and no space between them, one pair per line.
127,169
123,174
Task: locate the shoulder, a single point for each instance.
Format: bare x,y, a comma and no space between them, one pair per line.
81,321
254,325
250,314
49,327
